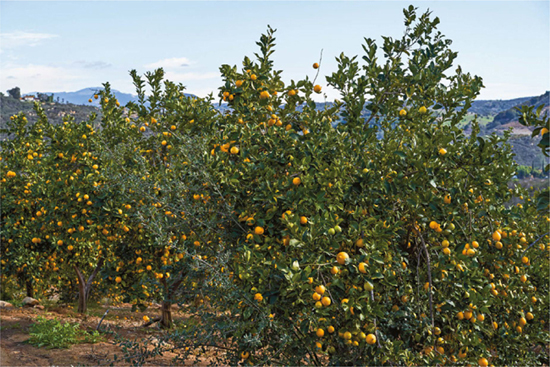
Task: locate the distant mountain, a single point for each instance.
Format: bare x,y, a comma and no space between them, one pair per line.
82,96
510,115
492,107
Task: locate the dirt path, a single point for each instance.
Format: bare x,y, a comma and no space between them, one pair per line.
15,351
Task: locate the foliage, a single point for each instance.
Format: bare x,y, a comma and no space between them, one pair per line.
51,333
14,93
385,239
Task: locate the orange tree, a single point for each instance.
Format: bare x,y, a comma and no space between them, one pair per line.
76,222
176,213
385,239
26,252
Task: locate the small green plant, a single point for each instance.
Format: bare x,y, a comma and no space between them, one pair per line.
52,334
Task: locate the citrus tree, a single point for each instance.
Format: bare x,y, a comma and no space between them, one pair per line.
385,239
176,212
73,222
26,252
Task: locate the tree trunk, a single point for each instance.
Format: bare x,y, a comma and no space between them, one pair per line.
166,320
85,287
82,299
30,289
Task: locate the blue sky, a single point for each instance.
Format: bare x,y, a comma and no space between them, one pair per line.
66,46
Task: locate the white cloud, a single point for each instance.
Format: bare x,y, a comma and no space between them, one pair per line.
172,63
185,77
20,38
40,78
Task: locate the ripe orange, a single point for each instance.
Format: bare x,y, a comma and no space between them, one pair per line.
316,66
442,151
296,181
403,113
496,236
320,289
371,339
326,301
316,296
422,110
362,268
320,333
303,220
317,88
342,257
259,230
483,362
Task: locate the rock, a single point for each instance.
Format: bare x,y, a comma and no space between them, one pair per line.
29,302
40,307
5,304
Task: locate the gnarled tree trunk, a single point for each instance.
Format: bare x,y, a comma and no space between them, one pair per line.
85,287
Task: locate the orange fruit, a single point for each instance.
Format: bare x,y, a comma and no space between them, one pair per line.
259,230
316,66
317,88
342,257
320,289
371,339
483,362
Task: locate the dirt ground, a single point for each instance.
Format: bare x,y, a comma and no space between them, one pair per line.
14,334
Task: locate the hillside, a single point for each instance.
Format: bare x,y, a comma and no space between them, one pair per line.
510,115
55,111
81,97
492,107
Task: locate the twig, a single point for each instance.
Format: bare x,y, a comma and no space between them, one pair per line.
156,319
319,68
429,277
538,239
100,321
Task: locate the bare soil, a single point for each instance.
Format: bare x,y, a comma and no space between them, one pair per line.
16,351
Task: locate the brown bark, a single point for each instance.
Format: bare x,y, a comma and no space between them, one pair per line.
166,319
30,289
85,287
